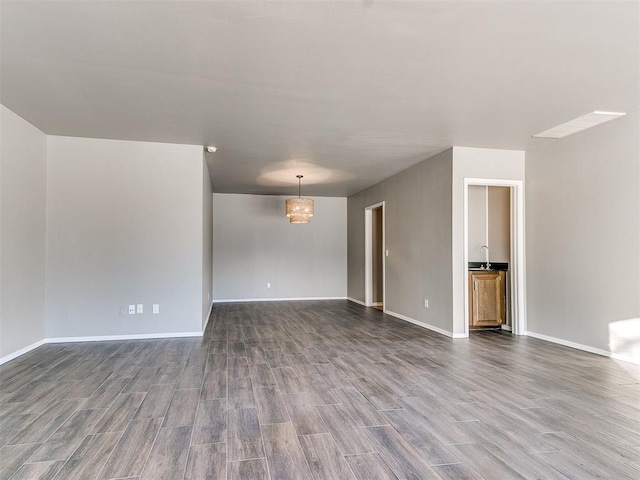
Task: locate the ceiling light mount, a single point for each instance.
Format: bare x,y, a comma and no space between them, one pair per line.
211,149
299,210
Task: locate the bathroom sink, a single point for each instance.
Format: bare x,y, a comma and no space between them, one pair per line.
495,267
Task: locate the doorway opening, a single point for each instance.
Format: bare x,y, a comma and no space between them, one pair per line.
375,254
494,256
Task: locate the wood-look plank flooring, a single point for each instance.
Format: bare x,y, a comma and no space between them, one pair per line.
318,390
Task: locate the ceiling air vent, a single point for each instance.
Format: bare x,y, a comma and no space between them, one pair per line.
578,124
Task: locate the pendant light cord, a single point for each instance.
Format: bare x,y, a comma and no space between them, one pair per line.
299,180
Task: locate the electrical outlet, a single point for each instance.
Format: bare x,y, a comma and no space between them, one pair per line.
132,309
426,303
387,252
140,308
156,308
268,284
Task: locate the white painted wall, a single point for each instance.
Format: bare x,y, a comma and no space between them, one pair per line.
583,238
477,222
124,226
418,237
474,163
254,244
489,223
23,154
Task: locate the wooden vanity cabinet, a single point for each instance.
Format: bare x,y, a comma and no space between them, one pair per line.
487,299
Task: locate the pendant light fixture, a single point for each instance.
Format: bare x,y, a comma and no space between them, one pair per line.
298,210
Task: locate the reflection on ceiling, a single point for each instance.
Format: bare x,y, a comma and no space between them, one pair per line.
284,174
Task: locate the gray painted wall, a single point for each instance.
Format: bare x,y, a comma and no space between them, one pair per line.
418,237
124,226
254,244
207,243
583,238
23,155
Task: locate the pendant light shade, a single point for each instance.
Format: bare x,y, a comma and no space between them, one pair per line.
298,210
298,218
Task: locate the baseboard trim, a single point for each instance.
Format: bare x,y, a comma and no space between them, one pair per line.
208,318
506,327
21,352
284,299
135,336
585,348
356,301
439,330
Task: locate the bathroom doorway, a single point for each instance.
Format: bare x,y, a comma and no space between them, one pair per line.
494,255
489,255
375,255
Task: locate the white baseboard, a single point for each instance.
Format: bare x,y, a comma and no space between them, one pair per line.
439,330
22,351
135,336
356,301
285,299
208,317
585,348
100,338
506,327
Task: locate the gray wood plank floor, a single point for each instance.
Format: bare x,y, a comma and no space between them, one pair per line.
318,390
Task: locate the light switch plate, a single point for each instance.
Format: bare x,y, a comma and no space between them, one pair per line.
156,308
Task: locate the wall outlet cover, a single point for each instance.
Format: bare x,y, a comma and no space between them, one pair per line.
156,308
140,308
132,309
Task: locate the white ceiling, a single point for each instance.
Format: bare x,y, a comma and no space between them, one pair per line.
346,93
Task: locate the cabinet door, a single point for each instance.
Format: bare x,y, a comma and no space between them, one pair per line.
488,300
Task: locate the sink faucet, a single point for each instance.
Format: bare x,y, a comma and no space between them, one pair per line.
488,267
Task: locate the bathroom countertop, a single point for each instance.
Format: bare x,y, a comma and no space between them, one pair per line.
495,266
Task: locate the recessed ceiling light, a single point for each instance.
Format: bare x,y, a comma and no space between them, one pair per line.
578,124
211,149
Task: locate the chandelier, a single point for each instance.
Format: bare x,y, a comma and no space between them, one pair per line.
299,210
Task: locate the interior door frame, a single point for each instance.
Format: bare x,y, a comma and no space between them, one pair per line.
517,277
368,254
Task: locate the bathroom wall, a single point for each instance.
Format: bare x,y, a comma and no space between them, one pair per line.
489,223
